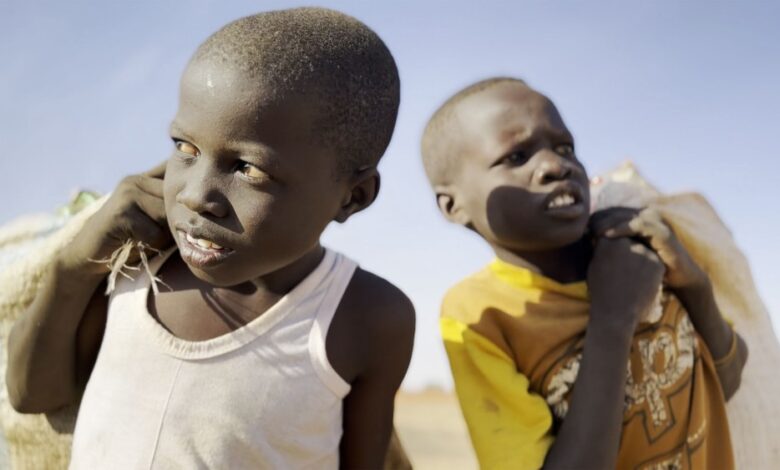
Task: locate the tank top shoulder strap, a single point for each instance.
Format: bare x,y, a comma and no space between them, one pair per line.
343,270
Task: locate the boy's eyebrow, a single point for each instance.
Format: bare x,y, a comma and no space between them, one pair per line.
511,140
175,129
561,134
517,138
257,152
253,147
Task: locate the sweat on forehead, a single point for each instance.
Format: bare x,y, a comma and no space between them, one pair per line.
325,57
440,141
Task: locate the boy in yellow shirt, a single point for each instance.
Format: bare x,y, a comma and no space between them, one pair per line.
570,300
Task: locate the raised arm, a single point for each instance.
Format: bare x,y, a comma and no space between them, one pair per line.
53,345
688,282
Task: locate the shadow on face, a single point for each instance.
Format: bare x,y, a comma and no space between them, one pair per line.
517,219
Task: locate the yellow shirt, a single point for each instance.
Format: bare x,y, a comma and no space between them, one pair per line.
514,340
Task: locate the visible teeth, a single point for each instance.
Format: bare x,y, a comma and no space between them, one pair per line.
202,243
562,200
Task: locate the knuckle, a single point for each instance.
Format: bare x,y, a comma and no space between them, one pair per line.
129,181
653,214
127,188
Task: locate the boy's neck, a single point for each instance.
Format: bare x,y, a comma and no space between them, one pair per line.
285,279
565,264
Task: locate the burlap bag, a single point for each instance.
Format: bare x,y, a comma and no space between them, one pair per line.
754,412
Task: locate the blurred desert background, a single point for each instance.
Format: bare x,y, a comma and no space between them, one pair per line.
431,429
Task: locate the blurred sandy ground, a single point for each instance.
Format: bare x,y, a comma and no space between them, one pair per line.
432,431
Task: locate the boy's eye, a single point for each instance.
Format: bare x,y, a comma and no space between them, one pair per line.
186,148
516,157
251,171
565,150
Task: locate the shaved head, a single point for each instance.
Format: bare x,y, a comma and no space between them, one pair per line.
440,143
327,58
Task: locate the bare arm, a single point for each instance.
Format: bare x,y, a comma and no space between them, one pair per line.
367,422
727,348
386,335
48,359
590,435
53,345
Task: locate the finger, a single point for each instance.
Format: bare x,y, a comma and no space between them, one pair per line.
158,171
650,231
627,232
652,227
621,230
644,251
653,257
149,185
653,215
143,228
647,225
152,206
602,221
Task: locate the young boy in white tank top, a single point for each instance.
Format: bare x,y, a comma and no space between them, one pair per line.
263,349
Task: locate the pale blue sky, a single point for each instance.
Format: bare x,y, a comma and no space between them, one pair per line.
687,89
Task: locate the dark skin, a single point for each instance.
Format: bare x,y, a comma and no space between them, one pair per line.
521,187
248,175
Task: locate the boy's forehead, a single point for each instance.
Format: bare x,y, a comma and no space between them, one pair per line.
505,112
207,81
235,104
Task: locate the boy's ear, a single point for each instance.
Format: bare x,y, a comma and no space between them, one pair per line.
365,188
449,205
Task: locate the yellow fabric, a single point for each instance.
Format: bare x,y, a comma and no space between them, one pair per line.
509,426
514,340
526,279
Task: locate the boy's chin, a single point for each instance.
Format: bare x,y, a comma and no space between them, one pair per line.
214,277
208,278
546,242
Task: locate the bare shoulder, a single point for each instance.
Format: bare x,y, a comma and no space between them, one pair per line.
374,324
381,303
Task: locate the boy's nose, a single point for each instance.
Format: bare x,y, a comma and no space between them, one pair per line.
552,168
201,200
200,195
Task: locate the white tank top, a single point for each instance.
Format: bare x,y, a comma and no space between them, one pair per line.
263,396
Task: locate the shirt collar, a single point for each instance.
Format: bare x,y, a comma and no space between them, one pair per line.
524,278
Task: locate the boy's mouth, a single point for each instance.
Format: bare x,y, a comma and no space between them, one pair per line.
565,201
562,200
200,252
